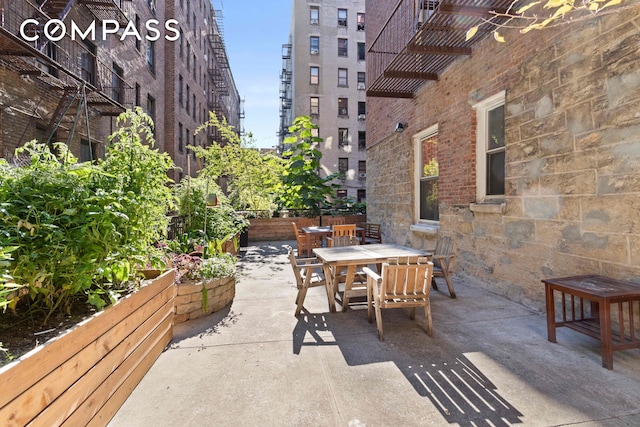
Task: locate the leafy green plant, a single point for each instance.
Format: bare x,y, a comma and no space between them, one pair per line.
78,227
303,187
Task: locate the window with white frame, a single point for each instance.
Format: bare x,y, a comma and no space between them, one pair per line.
490,148
314,75
343,107
315,45
343,77
360,21
426,175
342,17
343,45
343,137
314,15
314,106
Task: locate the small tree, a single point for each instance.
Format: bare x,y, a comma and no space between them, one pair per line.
253,178
303,187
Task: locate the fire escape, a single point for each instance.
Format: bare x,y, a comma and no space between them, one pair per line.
218,69
75,80
421,39
286,91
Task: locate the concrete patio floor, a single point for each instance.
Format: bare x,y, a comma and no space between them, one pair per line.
488,364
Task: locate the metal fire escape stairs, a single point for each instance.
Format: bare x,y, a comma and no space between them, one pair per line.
71,97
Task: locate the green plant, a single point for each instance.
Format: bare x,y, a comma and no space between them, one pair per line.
79,227
303,187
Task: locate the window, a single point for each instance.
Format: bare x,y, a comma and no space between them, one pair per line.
187,136
314,15
343,137
362,108
195,144
343,165
362,196
360,21
180,45
117,86
343,77
88,71
180,141
341,194
314,106
342,47
343,107
180,84
152,5
315,75
151,56
315,45
188,95
137,100
362,168
427,174
361,80
315,133
151,109
362,140
193,106
342,17
490,148
87,151
188,56
361,49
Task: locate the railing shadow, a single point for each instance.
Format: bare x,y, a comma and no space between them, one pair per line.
456,387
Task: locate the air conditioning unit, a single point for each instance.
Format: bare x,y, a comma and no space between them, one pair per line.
362,175
362,116
314,22
342,22
314,52
361,86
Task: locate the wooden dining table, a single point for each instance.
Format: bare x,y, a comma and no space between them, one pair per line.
326,230
352,257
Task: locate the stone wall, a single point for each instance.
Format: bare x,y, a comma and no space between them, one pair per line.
572,157
189,298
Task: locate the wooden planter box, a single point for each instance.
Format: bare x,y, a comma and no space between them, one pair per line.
83,377
189,299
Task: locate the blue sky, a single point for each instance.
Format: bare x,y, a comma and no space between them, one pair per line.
254,33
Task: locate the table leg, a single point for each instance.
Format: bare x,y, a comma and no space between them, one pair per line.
605,335
551,313
348,284
329,285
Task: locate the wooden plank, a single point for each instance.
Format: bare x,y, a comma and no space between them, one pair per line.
136,365
32,367
111,407
71,399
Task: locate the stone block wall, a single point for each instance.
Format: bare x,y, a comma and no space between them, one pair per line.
189,298
572,157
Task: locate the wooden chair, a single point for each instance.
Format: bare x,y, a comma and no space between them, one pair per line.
403,282
442,259
308,274
341,230
305,242
372,233
333,220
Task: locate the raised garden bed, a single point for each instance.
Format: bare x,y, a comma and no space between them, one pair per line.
83,376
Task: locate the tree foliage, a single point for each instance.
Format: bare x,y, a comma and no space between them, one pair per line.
304,188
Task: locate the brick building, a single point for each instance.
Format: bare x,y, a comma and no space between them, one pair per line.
526,152
177,80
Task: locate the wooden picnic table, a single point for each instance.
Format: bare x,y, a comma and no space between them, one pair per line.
594,320
351,257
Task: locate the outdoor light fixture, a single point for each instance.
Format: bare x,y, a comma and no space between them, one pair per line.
400,127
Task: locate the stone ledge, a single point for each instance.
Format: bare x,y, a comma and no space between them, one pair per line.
425,228
497,208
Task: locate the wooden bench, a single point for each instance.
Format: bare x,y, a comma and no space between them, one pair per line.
594,319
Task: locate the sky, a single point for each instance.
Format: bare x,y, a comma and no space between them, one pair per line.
254,33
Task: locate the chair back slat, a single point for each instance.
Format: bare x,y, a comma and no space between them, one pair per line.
406,277
343,230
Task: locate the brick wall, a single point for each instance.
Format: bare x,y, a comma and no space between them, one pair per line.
572,157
